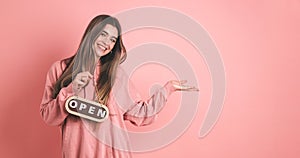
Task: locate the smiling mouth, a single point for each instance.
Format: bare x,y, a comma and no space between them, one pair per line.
102,47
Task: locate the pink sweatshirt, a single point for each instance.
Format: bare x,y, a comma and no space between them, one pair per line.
82,138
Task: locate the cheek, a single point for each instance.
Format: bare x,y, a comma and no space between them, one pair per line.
112,46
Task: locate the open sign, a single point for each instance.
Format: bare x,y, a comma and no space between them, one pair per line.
86,109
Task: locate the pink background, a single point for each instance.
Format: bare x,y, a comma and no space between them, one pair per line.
258,41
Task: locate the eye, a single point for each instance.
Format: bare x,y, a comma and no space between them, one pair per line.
113,40
103,34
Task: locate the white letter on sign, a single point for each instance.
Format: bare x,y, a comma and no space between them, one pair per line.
91,110
82,106
101,112
73,104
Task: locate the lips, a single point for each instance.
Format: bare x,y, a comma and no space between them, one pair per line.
102,47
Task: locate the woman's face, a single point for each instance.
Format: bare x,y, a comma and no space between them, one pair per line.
106,40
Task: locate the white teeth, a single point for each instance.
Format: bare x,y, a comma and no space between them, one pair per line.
102,47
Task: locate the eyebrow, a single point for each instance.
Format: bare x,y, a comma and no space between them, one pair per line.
107,33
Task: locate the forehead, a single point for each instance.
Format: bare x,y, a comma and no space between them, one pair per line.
111,30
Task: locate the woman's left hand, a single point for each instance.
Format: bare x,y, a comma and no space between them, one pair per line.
179,85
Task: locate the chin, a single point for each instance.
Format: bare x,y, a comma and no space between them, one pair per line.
103,54
100,54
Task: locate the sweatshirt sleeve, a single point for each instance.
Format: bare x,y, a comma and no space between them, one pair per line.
53,110
140,112
143,113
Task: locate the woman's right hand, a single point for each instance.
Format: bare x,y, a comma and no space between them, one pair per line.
81,80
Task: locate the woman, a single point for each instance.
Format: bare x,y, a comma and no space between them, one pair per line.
94,73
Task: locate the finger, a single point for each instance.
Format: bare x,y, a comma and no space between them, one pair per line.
182,86
88,74
79,82
85,74
192,89
85,79
186,88
183,81
189,89
179,81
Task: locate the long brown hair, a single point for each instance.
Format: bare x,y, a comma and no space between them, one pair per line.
84,59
